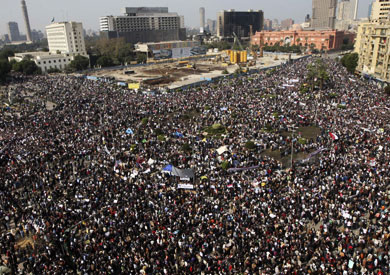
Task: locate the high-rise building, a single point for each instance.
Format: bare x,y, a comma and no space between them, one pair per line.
26,21
267,24
144,24
66,37
347,10
239,22
369,10
212,26
13,31
324,14
202,19
286,24
372,46
380,10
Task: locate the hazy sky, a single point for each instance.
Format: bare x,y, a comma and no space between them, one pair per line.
88,12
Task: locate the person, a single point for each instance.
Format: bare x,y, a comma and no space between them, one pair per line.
90,197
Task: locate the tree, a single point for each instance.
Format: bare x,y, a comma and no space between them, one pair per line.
5,53
79,63
350,61
5,68
141,58
387,90
27,67
105,61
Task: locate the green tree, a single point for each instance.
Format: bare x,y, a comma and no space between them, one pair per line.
387,90
5,68
26,67
79,63
105,61
5,53
350,61
141,58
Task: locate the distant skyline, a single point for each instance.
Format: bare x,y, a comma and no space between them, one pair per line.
41,12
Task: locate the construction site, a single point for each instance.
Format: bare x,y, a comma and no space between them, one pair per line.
176,72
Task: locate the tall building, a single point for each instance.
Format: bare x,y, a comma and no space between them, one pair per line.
202,19
372,45
347,9
239,22
324,14
13,31
369,10
212,26
66,37
286,24
267,24
26,21
144,24
380,10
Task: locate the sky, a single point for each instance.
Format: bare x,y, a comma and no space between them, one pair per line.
41,12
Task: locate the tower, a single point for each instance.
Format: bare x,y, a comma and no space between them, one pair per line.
202,19
26,20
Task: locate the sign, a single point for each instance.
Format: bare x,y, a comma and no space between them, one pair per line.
134,86
185,186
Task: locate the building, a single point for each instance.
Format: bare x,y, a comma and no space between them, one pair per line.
13,31
202,19
170,49
275,24
66,41
239,22
212,26
324,14
307,18
286,24
320,40
380,10
46,60
26,21
369,10
144,24
372,45
37,35
66,37
347,10
267,24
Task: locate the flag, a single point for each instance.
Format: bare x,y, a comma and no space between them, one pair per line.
333,136
230,186
52,20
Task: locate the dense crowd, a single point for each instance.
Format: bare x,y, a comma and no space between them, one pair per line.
81,194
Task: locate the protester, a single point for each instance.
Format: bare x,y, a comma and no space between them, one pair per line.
82,182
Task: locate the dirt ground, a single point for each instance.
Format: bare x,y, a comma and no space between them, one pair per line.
162,74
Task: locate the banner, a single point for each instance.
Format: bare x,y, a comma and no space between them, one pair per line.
243,168
134,86
185,186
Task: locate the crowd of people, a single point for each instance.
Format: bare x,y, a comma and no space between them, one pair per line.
82,189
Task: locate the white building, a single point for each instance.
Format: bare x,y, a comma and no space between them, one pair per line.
66,37
66,41
46,60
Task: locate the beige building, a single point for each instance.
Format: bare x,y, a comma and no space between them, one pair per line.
324,14
66,41
380,10
372,45
66,37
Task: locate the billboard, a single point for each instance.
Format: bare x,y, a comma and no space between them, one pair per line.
178,52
